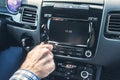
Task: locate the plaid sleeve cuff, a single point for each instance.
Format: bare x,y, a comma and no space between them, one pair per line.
23,74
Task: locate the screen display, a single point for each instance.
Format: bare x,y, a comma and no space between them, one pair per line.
72,32
13,5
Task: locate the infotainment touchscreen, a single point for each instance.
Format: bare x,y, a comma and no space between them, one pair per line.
69,31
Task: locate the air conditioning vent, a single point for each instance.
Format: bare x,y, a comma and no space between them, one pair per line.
113,24
29,15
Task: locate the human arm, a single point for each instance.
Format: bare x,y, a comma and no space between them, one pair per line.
39,62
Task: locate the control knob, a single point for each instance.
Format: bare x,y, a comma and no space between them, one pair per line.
84,74
88,54
27,42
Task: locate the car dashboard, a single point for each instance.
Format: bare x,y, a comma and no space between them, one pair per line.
85,34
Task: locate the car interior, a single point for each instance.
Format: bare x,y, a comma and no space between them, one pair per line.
85,35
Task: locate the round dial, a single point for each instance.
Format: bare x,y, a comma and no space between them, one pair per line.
13,5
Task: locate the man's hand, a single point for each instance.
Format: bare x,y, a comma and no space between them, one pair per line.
40,60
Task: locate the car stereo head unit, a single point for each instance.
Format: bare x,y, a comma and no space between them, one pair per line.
72,28
67,31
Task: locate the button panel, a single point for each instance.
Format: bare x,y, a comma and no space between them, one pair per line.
69,51
74,71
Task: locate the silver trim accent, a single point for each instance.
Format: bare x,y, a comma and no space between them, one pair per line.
96,6
90,33
66,44
88,53
82,1
84,77
48,23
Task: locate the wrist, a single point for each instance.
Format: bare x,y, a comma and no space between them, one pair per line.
25,74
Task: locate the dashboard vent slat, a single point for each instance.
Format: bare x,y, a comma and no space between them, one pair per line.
114,24
29,15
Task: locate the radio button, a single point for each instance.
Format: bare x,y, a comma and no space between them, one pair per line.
79,49
70,53
76,54
54,50
79,54
61,52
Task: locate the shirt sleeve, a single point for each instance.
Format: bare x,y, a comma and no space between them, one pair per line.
23,74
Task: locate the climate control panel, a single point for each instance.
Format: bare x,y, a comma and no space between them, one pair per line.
66,70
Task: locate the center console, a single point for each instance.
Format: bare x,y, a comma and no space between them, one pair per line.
66,70
73,30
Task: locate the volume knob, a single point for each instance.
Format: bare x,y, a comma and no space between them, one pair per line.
84,74
88,53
